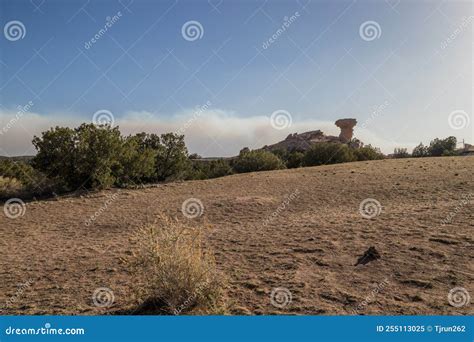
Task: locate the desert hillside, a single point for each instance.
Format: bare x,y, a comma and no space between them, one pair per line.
297,229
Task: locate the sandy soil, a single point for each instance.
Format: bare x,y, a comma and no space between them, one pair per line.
309,247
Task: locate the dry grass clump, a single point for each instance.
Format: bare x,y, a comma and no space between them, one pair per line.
175,272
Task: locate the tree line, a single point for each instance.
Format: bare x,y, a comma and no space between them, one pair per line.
436,148
97,157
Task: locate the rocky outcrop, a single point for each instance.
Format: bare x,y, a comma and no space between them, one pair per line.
303,141
347,129
369,255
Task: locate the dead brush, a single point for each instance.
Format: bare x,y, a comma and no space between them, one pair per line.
175,273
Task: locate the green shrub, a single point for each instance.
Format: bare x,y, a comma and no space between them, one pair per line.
20,171
219,168
137,161
258,160
97,153
10,187
93,157
328,153
87,156
420,151
172,160
294,160
281,153
56,154
291,159
401,153
367,153
442,147
198,170
21,179
438,147
203,169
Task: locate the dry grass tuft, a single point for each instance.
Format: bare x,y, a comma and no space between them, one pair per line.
175,272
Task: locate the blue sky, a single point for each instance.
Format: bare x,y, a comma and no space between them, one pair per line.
401,86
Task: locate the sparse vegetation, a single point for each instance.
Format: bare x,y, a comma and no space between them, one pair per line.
97,157
175,272
291,159
294,160
367,153
401,153
334,153
87,156
21,171
19,178
328,153
209,169
420,151
9,186
442,147
437,148
257,160
247,250
137,161
172,158
94,157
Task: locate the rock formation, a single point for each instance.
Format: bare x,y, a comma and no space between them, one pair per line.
303,141
369,255
347,129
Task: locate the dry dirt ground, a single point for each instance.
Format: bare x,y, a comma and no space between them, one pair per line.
309,247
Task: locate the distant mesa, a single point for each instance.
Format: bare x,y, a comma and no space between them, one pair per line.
303,141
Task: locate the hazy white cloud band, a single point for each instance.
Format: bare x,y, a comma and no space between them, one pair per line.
208,133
